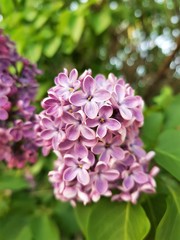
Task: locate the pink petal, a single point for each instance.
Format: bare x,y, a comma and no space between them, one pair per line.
125,112
91,109
73,132
70,174
111,175
47,134
101,96
62,80
113,124
140,177
57,139
83,176
106,111
105,156
101,185
73,75
69,192
128,183
87,132
78,98
68,118
92,122
80,149
65,145
98,149
101,130
117,153
89,85
48,123
3,114
131,102
120,92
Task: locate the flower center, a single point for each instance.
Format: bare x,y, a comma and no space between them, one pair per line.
80,165
89,98
101,120
107,145
71,89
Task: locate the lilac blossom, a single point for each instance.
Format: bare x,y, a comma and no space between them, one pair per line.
103,122
18,88
92,125
89,97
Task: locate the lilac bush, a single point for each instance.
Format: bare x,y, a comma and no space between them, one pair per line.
18,88
92,124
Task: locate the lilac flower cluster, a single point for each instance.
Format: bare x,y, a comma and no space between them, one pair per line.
17,91
92,124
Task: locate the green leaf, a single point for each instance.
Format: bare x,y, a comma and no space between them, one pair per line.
172,114
113,221
164,98
13,183
152,126
44,228
168,152
82,214
76,26
100,21
169,227
52,47
25,233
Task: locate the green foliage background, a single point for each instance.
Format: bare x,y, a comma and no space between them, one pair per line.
139,39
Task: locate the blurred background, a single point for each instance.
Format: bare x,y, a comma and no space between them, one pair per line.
138,39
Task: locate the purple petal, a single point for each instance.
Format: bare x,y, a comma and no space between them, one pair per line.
111,175
65,145
128,183
70,174
101,130
47,134
105,156
131,102
120,92
89,85
73,132
106,111
68,118
80,149
98,149
62,80
101,185
117,153
92,122
48,123
87,133
73,75
91,109
83,176
3,114
78,98
101,96
140,177
57,139
113,124
69,192
125,112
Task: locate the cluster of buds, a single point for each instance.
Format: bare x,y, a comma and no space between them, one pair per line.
18,88
92,124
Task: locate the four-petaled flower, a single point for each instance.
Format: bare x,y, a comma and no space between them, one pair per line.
104,122
90,97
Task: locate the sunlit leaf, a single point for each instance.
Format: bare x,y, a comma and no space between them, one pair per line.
116,221
168,152
169,227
